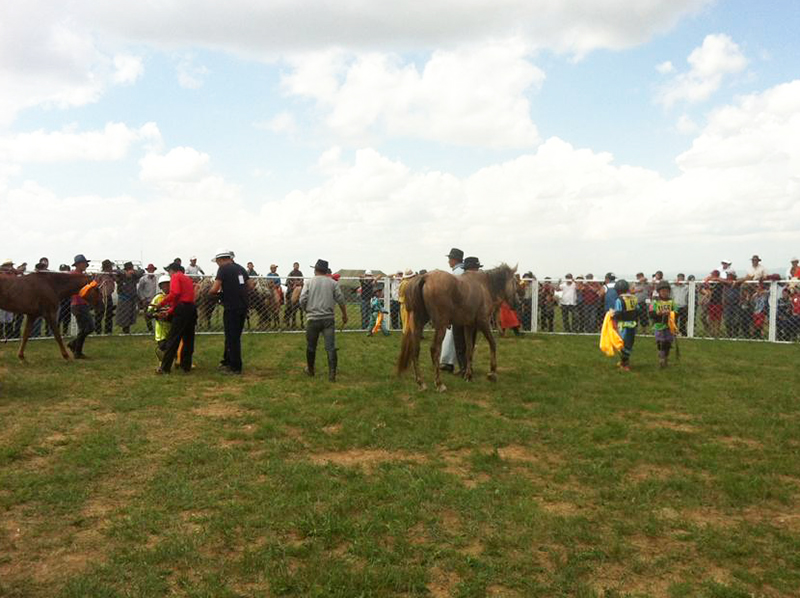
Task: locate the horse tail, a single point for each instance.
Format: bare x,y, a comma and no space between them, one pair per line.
415,306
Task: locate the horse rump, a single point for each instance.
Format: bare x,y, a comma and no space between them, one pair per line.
415,306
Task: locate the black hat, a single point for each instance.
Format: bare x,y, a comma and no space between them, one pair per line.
107,263
322,266
127,266
174,266
472,263
80,259
455,254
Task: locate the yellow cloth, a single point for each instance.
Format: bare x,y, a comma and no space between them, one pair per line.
673,326
610,340
378,323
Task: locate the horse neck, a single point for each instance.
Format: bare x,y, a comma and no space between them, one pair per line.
68,284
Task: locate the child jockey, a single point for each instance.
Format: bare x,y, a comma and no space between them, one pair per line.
661,310
626,315
378,320
162,325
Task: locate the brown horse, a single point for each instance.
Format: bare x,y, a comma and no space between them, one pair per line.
206,302
443,299
39,295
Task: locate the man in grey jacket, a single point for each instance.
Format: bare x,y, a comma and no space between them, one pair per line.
318,300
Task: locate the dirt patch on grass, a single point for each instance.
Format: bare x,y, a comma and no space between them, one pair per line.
221,410
456,464
333,429
515,452
442,583
740,443
366,458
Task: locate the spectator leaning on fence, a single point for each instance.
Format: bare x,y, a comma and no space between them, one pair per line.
680,297
193,269
146,289
104,310
642,290
794,269
547,305
127,282
319,299
756,270
234,283
609,291
569,303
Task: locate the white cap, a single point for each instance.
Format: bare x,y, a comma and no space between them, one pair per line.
163,278
223,253
194,257
368,273
725,262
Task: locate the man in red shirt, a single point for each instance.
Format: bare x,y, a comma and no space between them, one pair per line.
180,302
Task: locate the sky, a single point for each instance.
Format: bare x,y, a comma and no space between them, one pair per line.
575,136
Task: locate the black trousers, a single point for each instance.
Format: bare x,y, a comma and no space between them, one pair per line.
85,326
233,323
394,312
184,321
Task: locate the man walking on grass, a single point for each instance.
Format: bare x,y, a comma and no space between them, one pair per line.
319,299
80,311
234,282
184,319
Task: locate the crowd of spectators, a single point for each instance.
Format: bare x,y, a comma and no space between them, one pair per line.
726,303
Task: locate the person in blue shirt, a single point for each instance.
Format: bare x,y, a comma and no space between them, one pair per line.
626,317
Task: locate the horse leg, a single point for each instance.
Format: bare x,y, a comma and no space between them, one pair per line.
469,335
436,353
487,332
52,321
26,333
417,336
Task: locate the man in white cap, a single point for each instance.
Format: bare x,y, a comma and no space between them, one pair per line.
794,269
725,267
234,282
193,269
756,271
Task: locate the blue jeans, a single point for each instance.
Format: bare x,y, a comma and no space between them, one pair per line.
628,338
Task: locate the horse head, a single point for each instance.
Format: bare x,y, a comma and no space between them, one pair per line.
503,284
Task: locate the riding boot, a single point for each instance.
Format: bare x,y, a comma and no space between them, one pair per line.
333,362
310,358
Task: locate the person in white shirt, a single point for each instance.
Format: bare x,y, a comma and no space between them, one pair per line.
569,303
454,348
757,271
193,269
146,289
794,270
680,297
726,266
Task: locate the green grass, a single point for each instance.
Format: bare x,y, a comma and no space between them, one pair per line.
565,478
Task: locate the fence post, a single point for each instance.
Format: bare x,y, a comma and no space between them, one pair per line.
773,311
691,302
534,305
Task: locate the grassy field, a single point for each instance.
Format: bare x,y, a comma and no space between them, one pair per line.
566,478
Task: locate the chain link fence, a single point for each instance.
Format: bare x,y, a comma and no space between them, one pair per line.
740,310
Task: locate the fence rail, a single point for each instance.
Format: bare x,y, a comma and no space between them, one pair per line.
747,310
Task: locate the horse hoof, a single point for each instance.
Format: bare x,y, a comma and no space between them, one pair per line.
423,386
21,357
491,377
441,388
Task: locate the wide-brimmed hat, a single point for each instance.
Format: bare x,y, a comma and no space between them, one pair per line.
725,262
7,262
223,253
163,278
455,254
408,273
174,266
322,266
472,263
127,266
150,268
80,259
367,272
794,259
755,258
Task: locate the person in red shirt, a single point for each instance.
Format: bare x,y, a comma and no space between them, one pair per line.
181,306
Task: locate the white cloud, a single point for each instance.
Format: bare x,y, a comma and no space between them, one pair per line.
471,96
556,208
685,125
190,75
112,143
717,57
665,68
284,122
128,69
275,27
180,164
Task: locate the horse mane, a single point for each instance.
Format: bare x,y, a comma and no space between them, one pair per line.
497,279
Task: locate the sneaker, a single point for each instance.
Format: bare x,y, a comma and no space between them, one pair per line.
160,371
447,367
308,372
625,367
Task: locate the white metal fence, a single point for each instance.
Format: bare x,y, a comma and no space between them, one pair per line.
744,310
